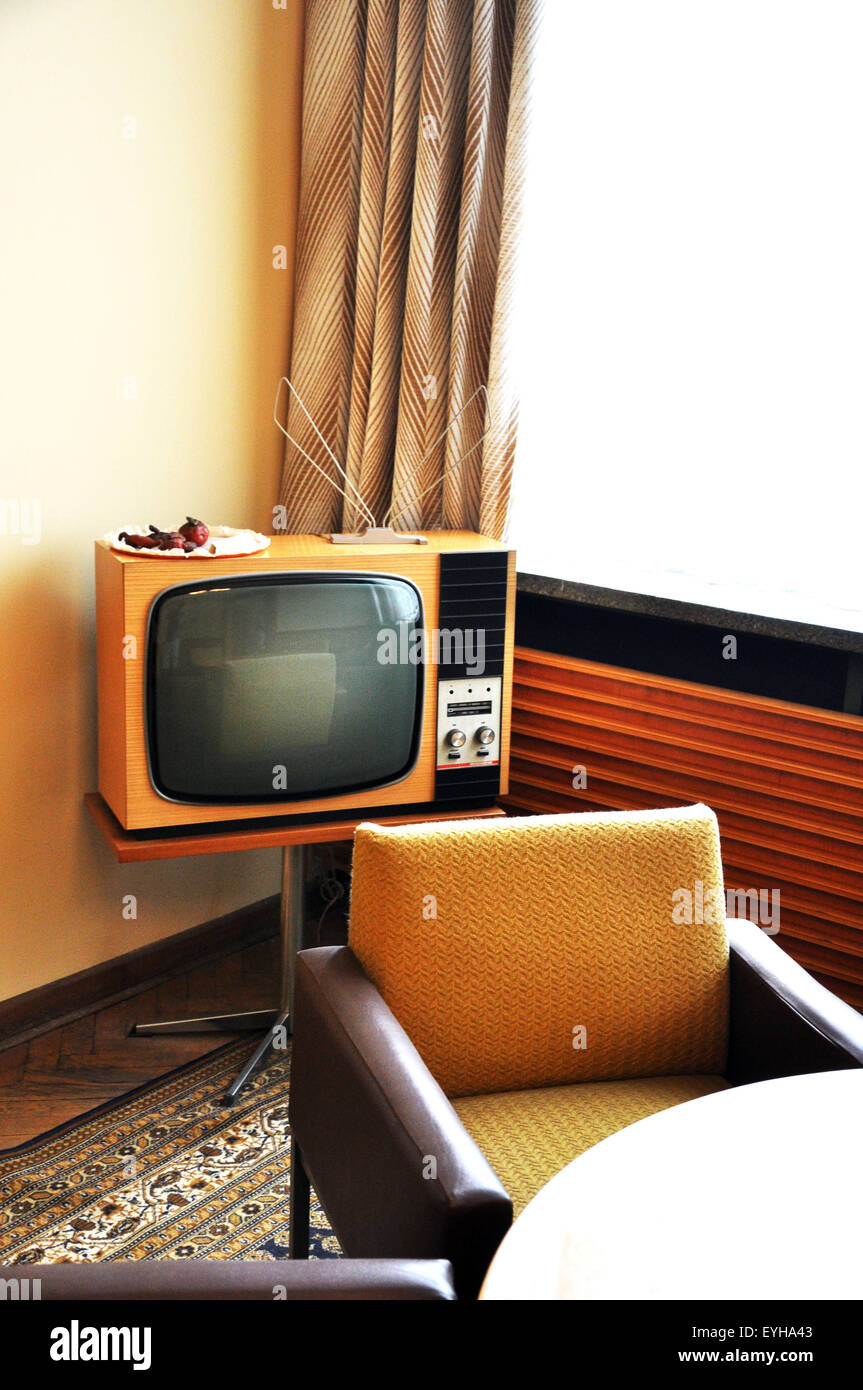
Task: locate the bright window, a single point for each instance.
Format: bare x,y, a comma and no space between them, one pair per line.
691,327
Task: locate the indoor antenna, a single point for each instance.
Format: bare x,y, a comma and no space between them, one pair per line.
373,533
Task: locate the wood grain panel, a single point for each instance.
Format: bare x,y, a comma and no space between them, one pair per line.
84,1061
110,678
785,780
61,1001
126,587
128,847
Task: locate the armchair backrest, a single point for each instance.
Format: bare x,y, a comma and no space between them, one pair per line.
542,950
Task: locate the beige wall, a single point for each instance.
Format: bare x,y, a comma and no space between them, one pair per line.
148,257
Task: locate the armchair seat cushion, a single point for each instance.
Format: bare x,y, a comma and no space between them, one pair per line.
528,1136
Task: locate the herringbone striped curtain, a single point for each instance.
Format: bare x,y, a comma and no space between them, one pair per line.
413,164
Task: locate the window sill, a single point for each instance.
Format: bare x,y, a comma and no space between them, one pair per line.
682,598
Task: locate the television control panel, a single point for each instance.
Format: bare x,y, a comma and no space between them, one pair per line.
468,722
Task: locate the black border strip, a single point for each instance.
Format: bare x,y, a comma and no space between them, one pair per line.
775,667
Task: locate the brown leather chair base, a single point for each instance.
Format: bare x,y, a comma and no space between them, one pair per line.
366,1113
427,1281
398,1174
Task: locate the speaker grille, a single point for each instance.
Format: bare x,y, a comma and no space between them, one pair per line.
472,601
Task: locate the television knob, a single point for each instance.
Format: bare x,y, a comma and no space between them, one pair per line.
485,735
455,738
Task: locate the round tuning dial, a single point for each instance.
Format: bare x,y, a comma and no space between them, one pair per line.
455,738
485,735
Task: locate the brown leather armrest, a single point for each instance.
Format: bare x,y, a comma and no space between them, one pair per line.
235,1280
389,1158
783,1022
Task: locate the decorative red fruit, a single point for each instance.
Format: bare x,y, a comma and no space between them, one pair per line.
195,531
184,539
139,542
167,540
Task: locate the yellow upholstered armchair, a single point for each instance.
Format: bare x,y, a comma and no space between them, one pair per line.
513,992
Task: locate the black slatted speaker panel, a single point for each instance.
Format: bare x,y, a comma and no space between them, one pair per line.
472,596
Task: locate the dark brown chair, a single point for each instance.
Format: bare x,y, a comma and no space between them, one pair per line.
412,1043
231,1280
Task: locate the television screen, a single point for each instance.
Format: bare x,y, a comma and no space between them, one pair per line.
272,687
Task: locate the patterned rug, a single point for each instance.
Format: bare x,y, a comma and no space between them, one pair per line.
163,1173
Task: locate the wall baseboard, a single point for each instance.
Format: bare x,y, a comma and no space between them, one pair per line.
25,1016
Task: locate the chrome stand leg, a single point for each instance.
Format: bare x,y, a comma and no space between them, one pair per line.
291,936
215,1023
276,1021
271,1039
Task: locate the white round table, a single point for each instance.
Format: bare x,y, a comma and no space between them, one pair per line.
752,1193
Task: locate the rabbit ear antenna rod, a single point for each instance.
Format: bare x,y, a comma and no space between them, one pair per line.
385,534
450,470
357,499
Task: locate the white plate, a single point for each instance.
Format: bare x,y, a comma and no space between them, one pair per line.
222,541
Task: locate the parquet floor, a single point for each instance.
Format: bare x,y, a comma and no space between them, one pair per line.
68,1071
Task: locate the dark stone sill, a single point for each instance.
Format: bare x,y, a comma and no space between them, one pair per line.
651,605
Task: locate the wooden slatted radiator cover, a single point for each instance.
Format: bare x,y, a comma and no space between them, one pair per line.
785,780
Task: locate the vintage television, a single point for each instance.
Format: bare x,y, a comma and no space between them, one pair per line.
308,680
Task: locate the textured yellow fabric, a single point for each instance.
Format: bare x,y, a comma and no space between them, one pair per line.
492,941
528,1136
